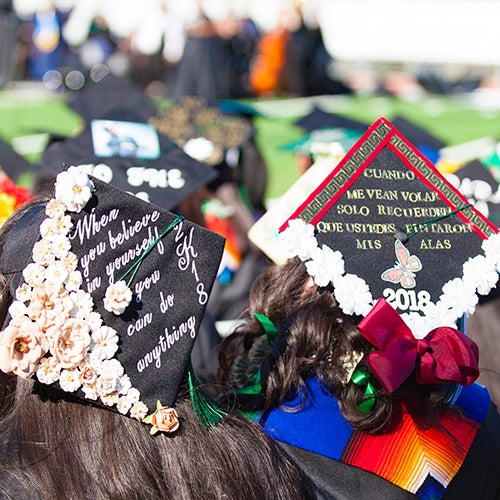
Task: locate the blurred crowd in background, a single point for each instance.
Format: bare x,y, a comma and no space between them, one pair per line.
218,49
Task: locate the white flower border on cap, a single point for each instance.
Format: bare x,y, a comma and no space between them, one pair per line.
459,297
54,332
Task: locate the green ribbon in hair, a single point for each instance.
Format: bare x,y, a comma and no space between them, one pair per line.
362,378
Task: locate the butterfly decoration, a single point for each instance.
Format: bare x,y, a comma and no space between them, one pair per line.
405,267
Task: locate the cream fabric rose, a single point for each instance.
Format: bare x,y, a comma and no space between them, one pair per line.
50,305
165,419
69,342
22,345
118,297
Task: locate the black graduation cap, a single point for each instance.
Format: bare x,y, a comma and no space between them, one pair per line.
96,98
428,144
165,180
318,118
203,131
386,224
13,164
167,263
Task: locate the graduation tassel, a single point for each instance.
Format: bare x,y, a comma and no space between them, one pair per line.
207,412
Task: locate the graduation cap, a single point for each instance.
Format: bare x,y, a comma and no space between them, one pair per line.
110,292
97,98
203,131
318,118
127,152
385,224
426,143
312,142
13,164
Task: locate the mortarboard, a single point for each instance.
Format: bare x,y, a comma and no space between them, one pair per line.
312,142
426,143
203,131
109,293
318,118
386,224
13,164
160,172
97,98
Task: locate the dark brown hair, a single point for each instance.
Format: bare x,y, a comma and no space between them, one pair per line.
314,338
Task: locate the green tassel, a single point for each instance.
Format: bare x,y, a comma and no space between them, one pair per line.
207,412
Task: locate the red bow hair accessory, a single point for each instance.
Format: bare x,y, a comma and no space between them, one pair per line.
445,355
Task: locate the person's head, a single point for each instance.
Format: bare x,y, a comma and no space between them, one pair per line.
71,420
314,339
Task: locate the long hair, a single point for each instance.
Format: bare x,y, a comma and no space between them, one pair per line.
314,337
61,449
55,447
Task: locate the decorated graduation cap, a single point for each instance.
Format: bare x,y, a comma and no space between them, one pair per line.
385,224
202,131
124,150
109,293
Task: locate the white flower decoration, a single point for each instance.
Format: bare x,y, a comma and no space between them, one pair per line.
325,265
104,343
74,188
460,297
82,304
34,274
49,371
353,294
491,248
123,405
18,308
110,398
139,410
124,384
480,273
94,320
57,273
298,239
69,380
117,298
23,293
133,395
60,245
73,281
111,369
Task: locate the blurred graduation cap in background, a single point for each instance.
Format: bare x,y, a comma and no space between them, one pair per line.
426,143
124,150
311,143
96,98
318,118
13,164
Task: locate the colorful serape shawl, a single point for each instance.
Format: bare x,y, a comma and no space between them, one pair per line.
422,462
